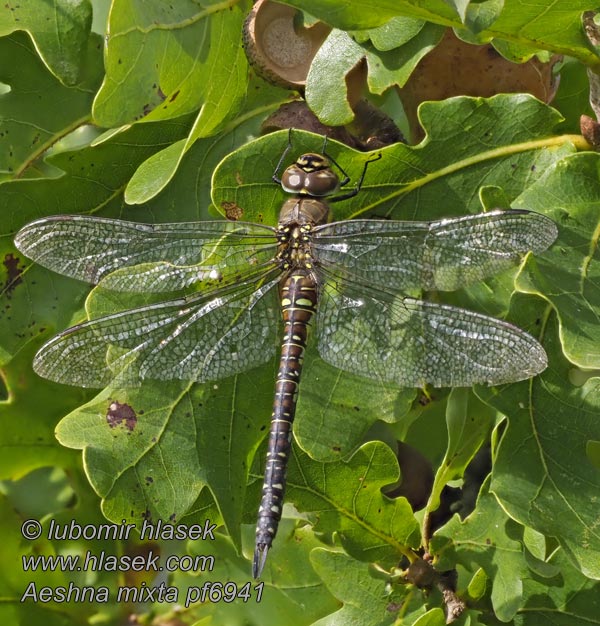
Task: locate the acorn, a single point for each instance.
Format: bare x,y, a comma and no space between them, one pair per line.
278,46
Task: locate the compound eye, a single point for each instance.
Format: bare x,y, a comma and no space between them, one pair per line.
322,182
293,179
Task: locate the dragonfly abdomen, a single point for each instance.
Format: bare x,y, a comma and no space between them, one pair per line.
299,296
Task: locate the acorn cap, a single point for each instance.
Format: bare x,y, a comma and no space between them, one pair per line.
278,47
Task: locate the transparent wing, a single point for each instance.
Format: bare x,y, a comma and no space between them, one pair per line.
89,248
204,337
411,342
445,254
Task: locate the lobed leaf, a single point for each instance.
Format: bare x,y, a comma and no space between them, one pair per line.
542,474
60,30
346,498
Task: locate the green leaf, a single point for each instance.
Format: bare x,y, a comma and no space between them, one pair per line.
339,54
59,29
542,475
347,498
573,96
477,584
460,6
351,16
336,409
295,588
362,596
566,599
14,581
569,274
29,416
478,15
535,542
178,438
468,427
335,58
39,109
24,501
156,173
435,617
191,58
505,140
481,15
393,34
485,538
555,27
289,564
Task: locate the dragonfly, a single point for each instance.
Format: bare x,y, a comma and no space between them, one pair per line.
234,291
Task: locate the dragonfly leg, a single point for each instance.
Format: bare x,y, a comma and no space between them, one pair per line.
352,192
275,176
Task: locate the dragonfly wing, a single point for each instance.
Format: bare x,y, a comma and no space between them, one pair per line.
164,277
89,248
412,342
207,336
445,254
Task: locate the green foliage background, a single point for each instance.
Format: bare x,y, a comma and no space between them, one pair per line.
133,126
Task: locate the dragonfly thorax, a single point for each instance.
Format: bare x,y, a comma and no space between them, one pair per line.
301,210
310,175
296,219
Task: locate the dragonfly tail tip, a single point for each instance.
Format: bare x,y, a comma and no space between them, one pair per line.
260,557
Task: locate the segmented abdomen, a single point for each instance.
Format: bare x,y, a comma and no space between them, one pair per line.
299,294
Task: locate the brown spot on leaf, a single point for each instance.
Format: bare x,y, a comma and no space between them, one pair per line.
13,273
232,211
121,414
424,399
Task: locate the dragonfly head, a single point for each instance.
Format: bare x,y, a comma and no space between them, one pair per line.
310,175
